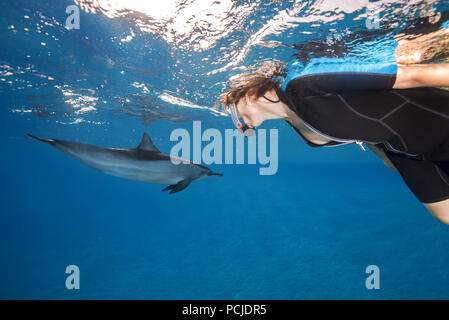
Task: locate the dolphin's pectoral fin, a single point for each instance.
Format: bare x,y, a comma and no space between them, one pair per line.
181,185
169,187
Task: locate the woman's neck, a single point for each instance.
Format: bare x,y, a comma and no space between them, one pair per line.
273,107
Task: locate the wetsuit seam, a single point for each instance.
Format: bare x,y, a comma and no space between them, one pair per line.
374,119
439,173
421,106
317,96
343,72
291,106
394,110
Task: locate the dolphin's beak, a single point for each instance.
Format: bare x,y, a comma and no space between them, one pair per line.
215,174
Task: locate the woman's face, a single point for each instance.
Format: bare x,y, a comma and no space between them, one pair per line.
250,111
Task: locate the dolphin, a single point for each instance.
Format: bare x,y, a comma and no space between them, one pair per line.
144,163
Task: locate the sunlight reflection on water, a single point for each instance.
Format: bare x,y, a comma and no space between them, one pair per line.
171,59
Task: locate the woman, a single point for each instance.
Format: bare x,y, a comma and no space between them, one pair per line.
392,107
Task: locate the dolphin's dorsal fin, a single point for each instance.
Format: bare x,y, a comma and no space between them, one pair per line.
146,144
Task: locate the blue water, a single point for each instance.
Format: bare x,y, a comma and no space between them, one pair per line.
307,232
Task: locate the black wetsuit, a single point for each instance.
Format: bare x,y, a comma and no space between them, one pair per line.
410,125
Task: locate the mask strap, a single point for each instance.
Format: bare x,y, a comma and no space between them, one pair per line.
272,101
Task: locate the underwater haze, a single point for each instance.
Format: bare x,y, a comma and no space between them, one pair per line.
307,232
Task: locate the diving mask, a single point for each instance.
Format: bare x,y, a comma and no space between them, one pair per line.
243,128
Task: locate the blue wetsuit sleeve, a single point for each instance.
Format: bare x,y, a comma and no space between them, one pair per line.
445,25
380,62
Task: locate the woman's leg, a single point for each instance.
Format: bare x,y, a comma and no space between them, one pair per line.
427,180
440,210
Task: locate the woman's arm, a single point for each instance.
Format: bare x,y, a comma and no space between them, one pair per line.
422,75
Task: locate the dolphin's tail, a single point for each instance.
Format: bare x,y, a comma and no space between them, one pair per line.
41,139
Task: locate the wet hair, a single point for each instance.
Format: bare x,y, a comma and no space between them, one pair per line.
253,85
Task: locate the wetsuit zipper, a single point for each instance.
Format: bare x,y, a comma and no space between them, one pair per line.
348,141
389,147
343,141
359,142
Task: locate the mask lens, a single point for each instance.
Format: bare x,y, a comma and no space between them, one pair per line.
234,117
243,128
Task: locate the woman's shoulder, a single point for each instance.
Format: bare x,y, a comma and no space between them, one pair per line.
337,68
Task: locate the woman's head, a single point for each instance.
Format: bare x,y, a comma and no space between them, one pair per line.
249,86
256,98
